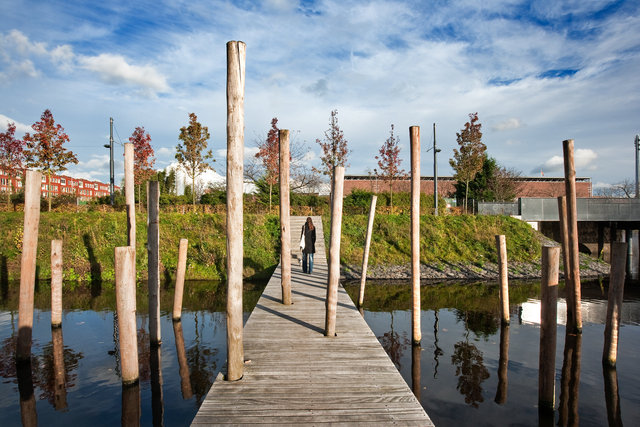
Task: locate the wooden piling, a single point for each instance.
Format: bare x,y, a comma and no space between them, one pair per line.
236,54
180,274
185,379
285,232
614,303
548,327
501,244
503,365
32,187
153,264
59,372
572,227
564,235
56,283
367,245
414,136
125,259
129,194
334,255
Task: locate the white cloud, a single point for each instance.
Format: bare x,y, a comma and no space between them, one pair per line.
114,69
164,151
20,127
512,123
583,158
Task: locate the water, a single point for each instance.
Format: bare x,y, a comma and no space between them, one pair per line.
455,372
74,376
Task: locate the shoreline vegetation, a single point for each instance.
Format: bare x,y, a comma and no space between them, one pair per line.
451,246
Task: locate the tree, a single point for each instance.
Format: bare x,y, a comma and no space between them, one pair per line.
468,161
167,181
505,184
11,156
389,162
623,189
45,148
269,154
194,137
142,159
334,147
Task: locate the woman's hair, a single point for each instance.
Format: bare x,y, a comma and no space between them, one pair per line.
309,223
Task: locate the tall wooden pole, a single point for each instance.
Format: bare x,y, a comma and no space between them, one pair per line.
125,261
367,245
129,194
153,256
414,136
334,254
548,327
33,184
572,226
285,231
614,303
56,283
180,273
564,234
501,243
236,55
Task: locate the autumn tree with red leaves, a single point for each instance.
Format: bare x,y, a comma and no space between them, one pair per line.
190,156
11,156
334,147
389,162
45,148
143,159
269,154
468,161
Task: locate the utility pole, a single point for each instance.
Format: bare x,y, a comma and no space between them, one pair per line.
637,145
435,172
110,147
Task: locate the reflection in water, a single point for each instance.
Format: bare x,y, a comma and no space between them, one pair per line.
131,405
202,363
185,382
60,388
611,395
503,364
469,362
394,344
157,405
28,413
415,370
570,381
437,351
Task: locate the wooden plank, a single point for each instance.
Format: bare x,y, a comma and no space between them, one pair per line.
293,374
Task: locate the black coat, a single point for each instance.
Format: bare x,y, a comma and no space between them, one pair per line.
309,240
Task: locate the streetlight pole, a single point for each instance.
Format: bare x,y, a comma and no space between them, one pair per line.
435,172
637,145
110,147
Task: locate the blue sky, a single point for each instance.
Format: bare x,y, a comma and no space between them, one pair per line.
537,72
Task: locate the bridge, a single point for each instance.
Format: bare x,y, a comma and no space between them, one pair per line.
295,375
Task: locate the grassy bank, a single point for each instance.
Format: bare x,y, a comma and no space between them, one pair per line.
90,238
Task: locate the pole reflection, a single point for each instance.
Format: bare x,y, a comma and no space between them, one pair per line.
611,395
570,381
131,405
157,404
59,372
503,364
415,370
28,413
185,382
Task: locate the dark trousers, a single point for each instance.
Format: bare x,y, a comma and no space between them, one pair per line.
307,261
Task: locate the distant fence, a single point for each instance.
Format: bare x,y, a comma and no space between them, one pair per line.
498,208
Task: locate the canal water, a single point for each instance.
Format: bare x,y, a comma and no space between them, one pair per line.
457,374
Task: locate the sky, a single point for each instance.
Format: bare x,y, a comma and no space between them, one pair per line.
536,72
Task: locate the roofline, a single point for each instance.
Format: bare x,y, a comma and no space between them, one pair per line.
450,178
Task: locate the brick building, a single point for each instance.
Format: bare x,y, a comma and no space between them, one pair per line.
526,186
83,189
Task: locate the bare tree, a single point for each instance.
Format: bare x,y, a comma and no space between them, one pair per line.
623,189
505,183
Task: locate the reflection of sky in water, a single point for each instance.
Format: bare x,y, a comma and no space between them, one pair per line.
446,405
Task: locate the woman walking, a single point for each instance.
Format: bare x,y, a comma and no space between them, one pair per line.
309,233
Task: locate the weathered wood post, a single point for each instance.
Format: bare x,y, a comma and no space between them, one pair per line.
56,283
236,55
180,273
414,136
59,374
564,234
157,401
503,365
285,231
334,255
32,188
129,194
503,268
367,245
614,303
185,380
572,226
548,327
153,265
125,260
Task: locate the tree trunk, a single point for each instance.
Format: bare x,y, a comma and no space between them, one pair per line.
193,191
49,191
270,187
466,197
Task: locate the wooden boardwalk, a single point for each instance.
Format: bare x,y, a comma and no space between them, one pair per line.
296,375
